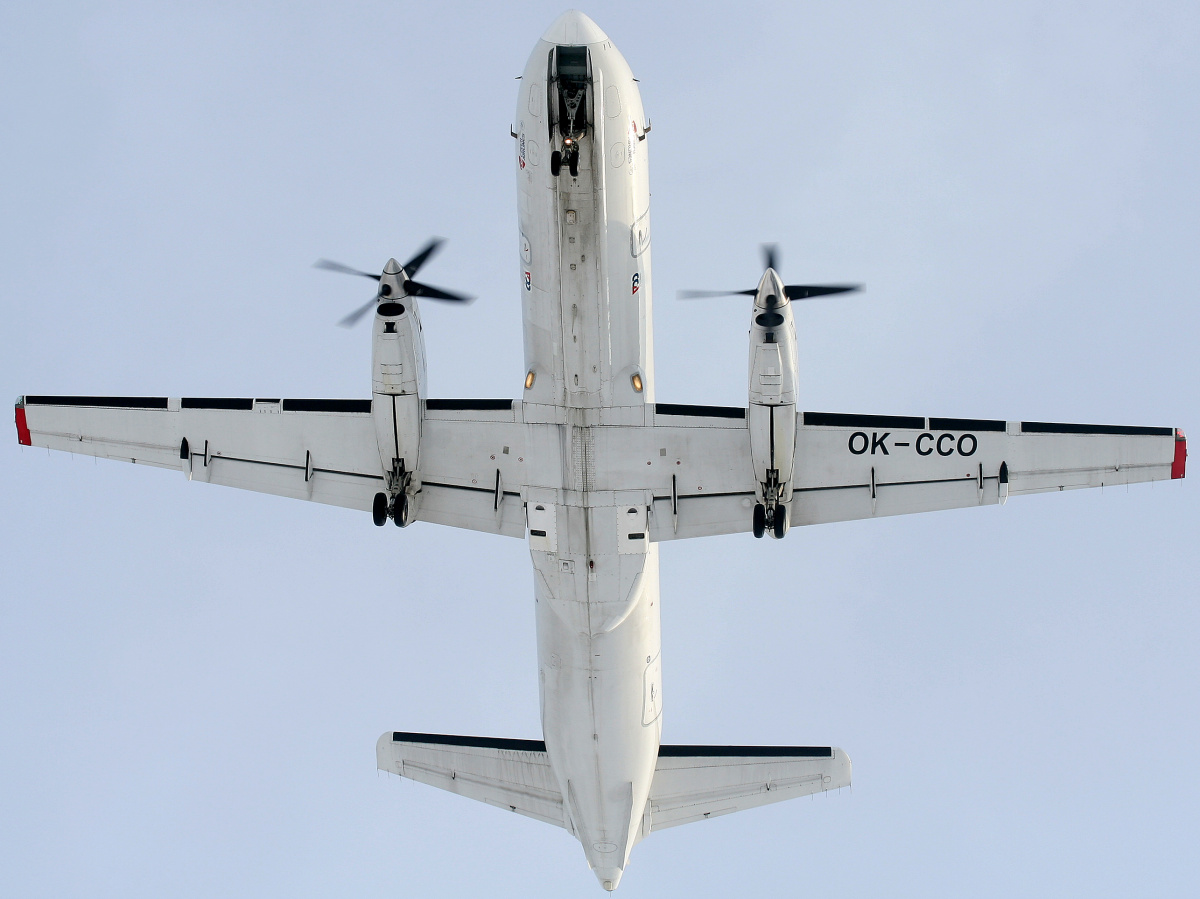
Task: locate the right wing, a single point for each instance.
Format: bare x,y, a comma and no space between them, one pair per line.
320,450
324,450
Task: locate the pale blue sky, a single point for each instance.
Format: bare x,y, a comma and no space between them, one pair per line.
192,679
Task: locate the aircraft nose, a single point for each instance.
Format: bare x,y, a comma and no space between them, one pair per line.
573,27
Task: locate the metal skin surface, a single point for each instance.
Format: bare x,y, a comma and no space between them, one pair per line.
397,374
593,473
585,273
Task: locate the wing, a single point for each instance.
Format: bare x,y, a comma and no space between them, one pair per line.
313,449
320,450
695,462
861,466
692,783
514,775
473,461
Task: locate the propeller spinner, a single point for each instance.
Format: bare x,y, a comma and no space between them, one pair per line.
396,282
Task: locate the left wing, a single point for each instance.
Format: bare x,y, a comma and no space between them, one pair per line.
865,466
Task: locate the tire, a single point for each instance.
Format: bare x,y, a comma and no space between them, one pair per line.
574,165
760,520
379,510
400,511
555,163
780,525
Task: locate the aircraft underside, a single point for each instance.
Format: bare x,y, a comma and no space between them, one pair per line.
593,472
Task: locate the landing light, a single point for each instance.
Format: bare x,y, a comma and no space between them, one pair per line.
636,380
529,379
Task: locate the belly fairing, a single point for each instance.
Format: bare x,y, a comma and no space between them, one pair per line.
584,243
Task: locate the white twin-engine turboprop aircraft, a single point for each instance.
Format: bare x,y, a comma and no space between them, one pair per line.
594,473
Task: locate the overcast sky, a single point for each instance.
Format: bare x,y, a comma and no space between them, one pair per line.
192,679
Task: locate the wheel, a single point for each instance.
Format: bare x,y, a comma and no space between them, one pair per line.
555,163
760,520
780,524
400,511
379,509
574,165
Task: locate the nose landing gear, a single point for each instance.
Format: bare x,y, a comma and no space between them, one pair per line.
569,154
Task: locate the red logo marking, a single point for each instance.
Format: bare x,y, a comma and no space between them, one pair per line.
23,437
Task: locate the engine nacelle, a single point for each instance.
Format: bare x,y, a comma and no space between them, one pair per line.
398,384
774,382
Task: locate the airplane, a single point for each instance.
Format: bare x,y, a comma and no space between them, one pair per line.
593,472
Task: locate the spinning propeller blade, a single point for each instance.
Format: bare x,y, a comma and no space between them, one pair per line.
428,291
407,286
332,266
770,253
358,313
414,265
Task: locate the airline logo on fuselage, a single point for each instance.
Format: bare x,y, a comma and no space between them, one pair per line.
636,279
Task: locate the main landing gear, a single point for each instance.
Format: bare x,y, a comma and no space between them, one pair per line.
397,509
775,520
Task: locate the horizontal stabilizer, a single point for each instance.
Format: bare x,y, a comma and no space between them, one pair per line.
692,783
510,774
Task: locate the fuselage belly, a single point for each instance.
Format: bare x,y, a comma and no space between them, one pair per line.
585,279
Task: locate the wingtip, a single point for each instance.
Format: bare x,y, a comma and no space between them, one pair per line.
1179,465
23,436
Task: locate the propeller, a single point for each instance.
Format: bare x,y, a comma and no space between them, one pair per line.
407,286
770,253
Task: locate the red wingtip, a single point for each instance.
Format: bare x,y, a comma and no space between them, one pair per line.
23,437
1180,462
